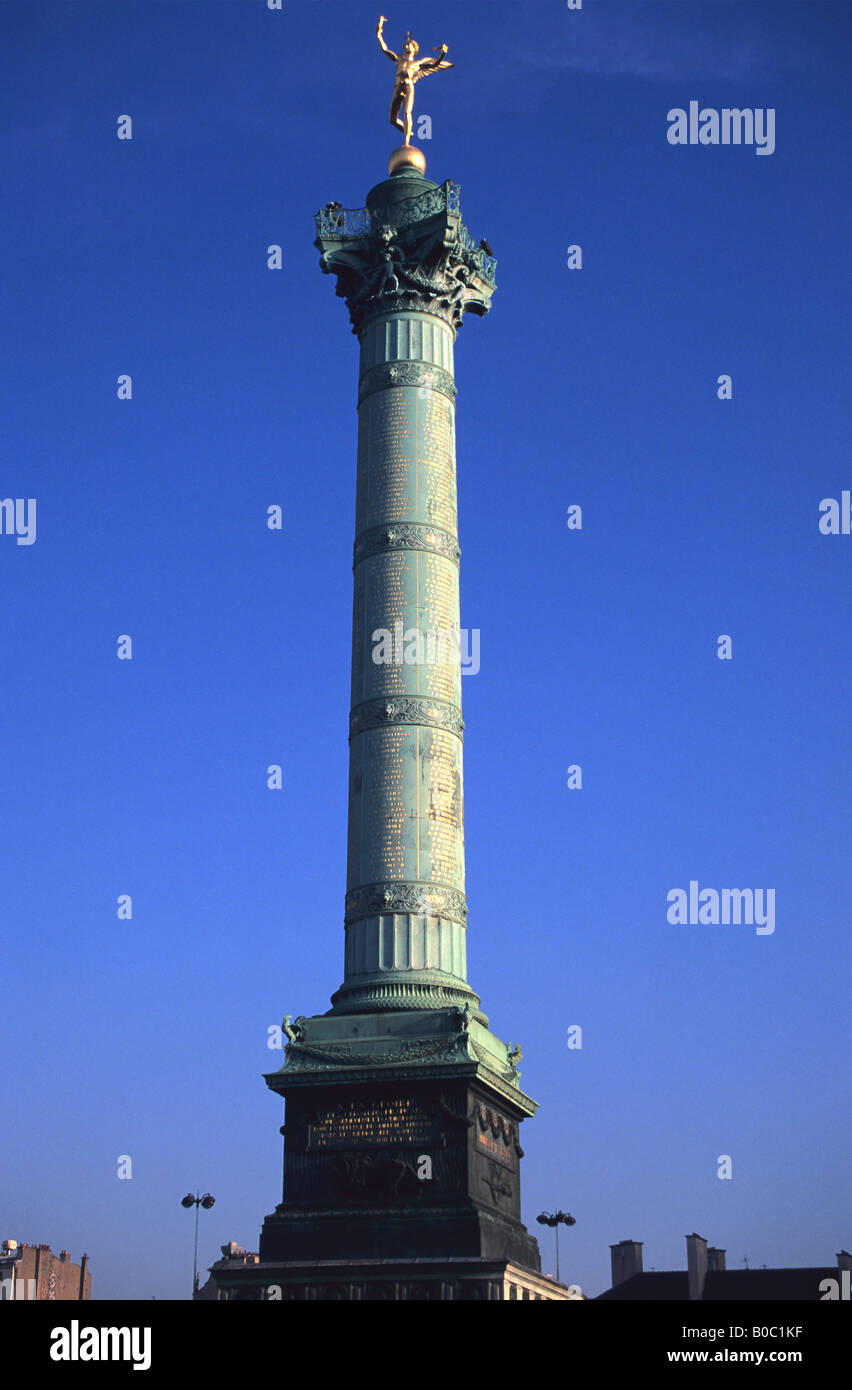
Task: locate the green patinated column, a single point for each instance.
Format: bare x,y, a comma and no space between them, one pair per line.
409,271
403,1109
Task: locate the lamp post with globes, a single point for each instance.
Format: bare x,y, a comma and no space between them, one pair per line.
206,1202
559,1218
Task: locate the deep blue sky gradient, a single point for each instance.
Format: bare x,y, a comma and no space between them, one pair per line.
596,387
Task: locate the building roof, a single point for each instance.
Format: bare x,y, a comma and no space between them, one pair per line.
774,1284
734,1285
654,1284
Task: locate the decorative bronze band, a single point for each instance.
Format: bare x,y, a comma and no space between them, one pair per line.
406,535
406,373
406,709
421,899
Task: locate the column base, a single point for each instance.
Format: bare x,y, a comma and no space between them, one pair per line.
416,990
401,1141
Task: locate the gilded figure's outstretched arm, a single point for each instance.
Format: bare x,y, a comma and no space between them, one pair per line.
427,65
393,56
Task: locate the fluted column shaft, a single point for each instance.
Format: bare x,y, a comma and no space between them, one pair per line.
405,881
408,270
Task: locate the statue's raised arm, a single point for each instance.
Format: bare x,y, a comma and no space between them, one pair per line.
383,46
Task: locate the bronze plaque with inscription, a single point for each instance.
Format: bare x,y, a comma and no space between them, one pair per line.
372,1123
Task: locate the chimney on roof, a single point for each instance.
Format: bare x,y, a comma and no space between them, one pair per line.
63,1256
696,1265
715,1259
626,1260
844,1260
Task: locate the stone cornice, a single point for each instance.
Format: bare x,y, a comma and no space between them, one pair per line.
334,1075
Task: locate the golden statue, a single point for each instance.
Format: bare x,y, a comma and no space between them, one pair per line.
409,69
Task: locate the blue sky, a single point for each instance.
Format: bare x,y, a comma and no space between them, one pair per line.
598,647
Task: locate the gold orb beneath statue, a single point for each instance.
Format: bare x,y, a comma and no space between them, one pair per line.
407,157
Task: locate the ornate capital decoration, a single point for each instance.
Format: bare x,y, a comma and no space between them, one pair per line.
421,899
406,373
414,257
405,709
406,535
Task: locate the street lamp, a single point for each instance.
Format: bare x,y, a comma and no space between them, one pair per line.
206,1202
559,1218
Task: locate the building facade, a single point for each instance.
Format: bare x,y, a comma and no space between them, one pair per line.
33,1272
